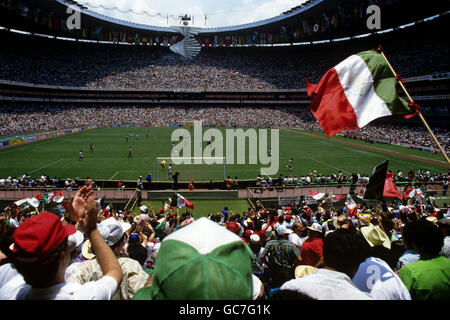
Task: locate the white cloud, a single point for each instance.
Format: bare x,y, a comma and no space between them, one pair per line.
218,13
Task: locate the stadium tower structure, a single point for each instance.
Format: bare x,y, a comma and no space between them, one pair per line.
188,47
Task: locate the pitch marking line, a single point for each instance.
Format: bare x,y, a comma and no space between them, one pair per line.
326,164
46,166
114,175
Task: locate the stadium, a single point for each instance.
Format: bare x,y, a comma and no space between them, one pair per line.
173,125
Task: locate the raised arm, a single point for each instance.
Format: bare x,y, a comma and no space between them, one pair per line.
106,258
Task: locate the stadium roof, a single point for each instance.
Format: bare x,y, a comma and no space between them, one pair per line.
311,10
93,18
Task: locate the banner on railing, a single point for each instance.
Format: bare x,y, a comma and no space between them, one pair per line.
16,141
39,136
29,139
288,200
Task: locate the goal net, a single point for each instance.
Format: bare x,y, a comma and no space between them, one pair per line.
191,168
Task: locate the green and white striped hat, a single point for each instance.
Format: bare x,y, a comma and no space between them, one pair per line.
203,261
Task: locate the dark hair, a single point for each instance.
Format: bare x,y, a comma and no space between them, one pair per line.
41,274
344,250
425,235
384,254
137,252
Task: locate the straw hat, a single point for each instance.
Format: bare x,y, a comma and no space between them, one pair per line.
303,270
86,250
376,237
340,221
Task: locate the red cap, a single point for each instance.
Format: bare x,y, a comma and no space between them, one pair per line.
248,233
40,236
288,217
233,227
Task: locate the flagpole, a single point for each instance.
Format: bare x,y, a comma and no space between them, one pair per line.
418,111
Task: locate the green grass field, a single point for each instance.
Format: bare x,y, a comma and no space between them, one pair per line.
204,207
59,157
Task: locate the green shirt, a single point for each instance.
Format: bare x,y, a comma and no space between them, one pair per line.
427,279
143,293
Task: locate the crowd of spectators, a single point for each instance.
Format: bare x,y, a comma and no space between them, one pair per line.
314,177
400,134
19,119
299,249
390,251
66,63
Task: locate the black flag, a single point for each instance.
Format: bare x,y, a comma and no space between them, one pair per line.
174,201
375,187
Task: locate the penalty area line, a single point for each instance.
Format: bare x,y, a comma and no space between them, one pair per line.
114,176
328,165
46,166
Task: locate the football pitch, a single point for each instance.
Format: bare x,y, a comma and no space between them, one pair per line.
59,156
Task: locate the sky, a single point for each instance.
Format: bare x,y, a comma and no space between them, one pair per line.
221,13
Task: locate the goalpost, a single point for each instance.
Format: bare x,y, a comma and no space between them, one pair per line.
191,168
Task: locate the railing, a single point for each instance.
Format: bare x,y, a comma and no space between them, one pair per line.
130,201
252,192
294,192
15,194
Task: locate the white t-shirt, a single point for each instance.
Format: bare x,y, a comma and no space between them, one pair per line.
375,277
326,284
15,288
102,289
150,247
295,239
7,272
10,289
289,224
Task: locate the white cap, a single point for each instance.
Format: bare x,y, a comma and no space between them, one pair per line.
315,227
112,230
75,240
282,230
254,238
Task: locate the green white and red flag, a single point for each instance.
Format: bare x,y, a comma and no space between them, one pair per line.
183,202
55,196
317,195
355,92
